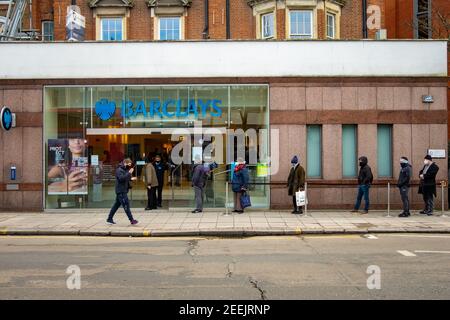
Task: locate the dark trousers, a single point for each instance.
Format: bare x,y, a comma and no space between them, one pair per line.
404,191
159,190
428,199
121,200
294,202
198,192
151,198
363,191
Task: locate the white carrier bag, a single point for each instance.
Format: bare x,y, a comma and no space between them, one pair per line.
300,197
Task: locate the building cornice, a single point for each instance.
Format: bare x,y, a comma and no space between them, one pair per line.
173,3
252,3
98,3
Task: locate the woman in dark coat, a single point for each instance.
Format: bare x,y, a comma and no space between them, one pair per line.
239,184
296,181
427,185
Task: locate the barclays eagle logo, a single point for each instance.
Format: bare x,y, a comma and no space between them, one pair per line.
105,109
7,118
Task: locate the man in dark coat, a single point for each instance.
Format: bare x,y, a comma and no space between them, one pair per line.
160,167
427,185
365,179
296,181
123,177
403,185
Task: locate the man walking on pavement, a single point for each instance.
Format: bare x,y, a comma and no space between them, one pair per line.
427,185
365,179
123,177
403,185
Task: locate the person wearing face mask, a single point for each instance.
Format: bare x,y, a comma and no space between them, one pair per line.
427,186
123,178
160,167
296,181
403,185
365,179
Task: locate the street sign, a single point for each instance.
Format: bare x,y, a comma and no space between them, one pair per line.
6,118
437,153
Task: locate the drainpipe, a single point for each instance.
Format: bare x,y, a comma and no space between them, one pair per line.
364,19
228,18
206,16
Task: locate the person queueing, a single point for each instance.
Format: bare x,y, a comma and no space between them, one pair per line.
427,185
160,168
403,185
296,182
239,184
122,186
199,176
365,179
151,183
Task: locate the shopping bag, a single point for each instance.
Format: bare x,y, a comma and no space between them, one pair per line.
245,200
300,197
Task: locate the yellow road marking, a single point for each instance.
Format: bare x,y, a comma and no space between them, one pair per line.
3,230
298,230
147,233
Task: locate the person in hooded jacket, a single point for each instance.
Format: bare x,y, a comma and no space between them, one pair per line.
365,179
239,183
427,185
403,185
296,182
199,176
123,178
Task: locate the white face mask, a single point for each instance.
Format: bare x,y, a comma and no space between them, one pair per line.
426,162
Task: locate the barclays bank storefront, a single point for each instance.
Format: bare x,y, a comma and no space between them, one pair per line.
78,109
88,130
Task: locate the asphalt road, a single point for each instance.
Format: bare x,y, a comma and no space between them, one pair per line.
321,267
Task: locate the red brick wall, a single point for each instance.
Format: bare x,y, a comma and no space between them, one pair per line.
351,20
242,22
281,24
140,24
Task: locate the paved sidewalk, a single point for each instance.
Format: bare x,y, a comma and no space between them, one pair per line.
215,223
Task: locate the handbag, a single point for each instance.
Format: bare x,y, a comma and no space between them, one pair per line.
245,200
300,197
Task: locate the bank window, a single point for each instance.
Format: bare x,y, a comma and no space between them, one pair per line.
331,26
112,29
169,28
314,151
47,30
423,19
384,147
267,25
301,24
349,150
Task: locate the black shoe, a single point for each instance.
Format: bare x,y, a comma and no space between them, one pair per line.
240,211
110,222
404,215
148,208
365,212
423,212
196,211
295,212
430,213
235,211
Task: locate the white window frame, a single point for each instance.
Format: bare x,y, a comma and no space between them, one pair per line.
43,29
263,18
333,16
301,36
111,17
179,28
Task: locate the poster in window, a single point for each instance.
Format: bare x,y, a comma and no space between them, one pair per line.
67,167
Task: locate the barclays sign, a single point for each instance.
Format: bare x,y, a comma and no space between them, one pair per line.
170,108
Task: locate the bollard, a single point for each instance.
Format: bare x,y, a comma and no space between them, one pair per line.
306,198
443,199
389,200
226,198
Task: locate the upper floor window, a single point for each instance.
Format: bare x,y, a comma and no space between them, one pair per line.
331,26
47,31
301,24
423,19
112,29
169,28
267,26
